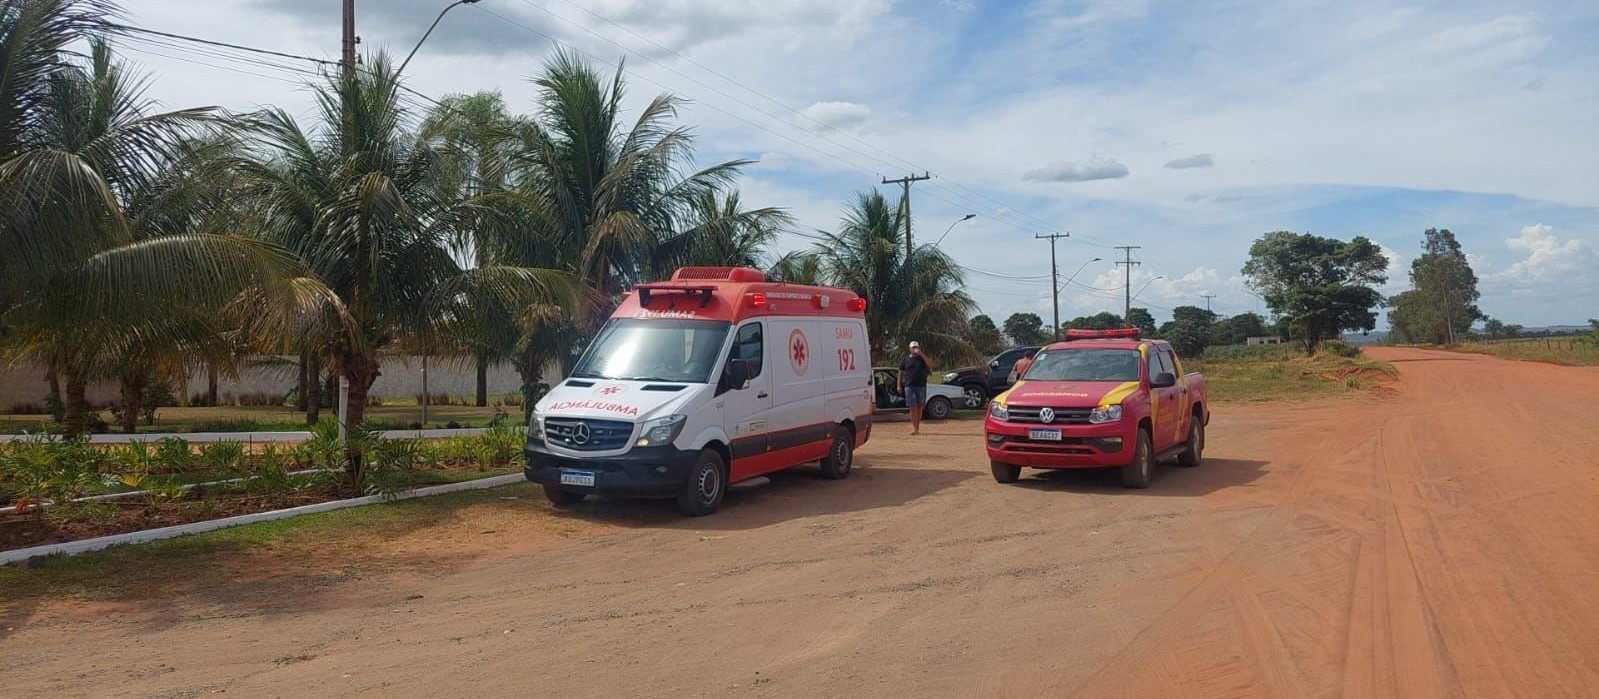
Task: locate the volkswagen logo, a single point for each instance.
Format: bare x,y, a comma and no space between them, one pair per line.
580,433
1046,415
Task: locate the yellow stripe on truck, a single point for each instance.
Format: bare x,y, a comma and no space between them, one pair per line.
1117,394
1001,398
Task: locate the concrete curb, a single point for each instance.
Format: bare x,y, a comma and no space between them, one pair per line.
76,547
263,437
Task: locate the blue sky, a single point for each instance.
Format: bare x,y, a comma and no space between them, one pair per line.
1186,128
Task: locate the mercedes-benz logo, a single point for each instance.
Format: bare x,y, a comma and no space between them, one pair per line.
1046,415
580,434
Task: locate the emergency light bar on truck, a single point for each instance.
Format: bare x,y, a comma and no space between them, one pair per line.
1102,334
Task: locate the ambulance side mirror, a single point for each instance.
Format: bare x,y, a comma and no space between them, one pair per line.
737,374
1163,379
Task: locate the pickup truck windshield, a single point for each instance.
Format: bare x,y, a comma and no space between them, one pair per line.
1084,365
636,349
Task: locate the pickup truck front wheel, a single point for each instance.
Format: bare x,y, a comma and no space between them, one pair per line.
1003,472
1138,473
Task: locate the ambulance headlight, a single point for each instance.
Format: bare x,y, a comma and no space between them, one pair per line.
998,411
535,425
660,431
1105,414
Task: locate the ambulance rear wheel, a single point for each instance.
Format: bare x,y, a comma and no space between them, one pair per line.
840,456
563,498
707,483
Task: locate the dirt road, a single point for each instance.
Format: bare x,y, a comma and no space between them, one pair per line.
1439,541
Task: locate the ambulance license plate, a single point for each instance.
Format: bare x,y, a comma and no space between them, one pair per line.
1044,435
570,477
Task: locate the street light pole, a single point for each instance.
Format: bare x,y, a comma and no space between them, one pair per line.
1079,271
952,226
1140,291
429,32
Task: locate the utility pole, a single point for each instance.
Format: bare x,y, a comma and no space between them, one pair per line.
905,201
1207,298
1127,277
1054,278
350,40
347,70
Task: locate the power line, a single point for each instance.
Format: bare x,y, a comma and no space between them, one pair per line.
128,28
1129,263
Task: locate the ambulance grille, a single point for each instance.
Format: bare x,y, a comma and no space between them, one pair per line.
588,435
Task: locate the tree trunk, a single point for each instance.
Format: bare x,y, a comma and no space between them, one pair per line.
132,396
360,372
54,381
312,389
528,368
305,382
210,384
482,380
76,404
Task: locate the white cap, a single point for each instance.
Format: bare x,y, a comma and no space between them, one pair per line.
915,343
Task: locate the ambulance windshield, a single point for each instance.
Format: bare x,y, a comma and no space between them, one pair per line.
637,349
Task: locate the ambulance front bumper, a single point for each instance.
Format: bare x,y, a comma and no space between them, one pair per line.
643,472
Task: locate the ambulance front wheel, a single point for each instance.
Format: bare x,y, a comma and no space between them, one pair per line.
707,484
840,456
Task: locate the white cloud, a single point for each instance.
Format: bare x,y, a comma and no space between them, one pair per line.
836,115
1548,258
773,160
1192,161
1092,169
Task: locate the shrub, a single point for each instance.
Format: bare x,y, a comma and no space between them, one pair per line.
220,457
29,409
1338,348
172,455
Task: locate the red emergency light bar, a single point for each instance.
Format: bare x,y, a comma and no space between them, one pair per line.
1102,334
857,305
649,292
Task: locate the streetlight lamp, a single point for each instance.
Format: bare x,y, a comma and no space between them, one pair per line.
952,226
429,32
1079,271
1146,286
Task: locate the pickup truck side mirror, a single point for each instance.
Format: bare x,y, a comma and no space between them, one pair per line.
1164,379
737,374
994,364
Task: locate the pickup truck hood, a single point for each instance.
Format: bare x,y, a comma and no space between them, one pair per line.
1067,394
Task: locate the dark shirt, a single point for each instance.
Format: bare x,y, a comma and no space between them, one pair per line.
914,371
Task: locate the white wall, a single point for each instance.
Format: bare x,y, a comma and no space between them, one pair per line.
401,377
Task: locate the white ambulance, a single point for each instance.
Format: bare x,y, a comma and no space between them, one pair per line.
712,378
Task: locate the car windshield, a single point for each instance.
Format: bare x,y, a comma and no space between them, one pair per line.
1084,365
681,351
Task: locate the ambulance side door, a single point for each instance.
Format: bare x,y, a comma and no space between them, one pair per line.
746,411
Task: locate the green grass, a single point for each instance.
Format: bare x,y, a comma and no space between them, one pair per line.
1266,374
1559,350
141,570
273,418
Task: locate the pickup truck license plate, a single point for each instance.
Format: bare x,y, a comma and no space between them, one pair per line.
1044,435
569,477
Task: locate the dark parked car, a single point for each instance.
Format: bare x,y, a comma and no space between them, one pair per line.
980,383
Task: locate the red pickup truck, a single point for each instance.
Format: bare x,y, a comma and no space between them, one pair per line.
1101,399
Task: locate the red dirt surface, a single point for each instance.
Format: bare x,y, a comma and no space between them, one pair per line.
1437,541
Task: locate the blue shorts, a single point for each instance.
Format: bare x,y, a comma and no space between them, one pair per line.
915,395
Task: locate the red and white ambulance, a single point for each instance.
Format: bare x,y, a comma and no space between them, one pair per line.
712,378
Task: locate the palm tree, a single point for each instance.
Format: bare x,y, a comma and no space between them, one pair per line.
130,279
610,195
361,200
798,267
920,298
719,232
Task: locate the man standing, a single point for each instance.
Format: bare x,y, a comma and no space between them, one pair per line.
1022,364
913,373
